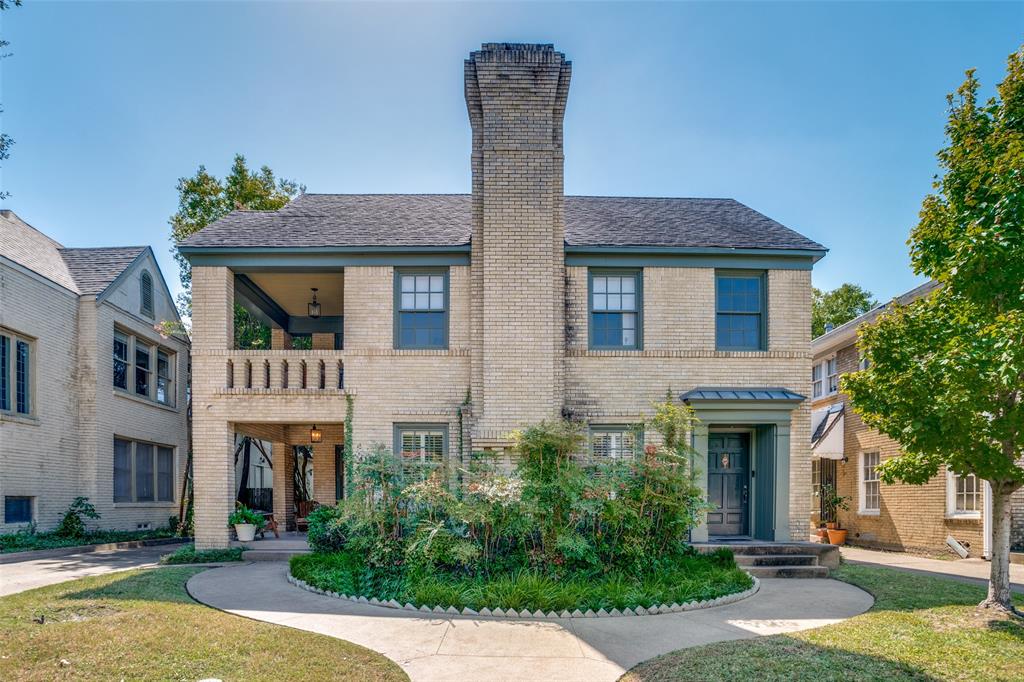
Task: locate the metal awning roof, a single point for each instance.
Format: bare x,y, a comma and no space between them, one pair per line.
827,438
763,394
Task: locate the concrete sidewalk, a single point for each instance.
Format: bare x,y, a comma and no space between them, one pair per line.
29,574
466,648
974,571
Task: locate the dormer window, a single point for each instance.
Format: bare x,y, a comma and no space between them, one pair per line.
146,294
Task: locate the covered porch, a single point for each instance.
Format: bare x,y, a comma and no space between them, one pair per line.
286,469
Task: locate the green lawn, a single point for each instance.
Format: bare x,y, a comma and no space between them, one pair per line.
920,628
142,625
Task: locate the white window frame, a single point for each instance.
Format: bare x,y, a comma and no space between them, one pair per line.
831,374
155,450
951,497
13,339
419,464
134,341
862,483
818,380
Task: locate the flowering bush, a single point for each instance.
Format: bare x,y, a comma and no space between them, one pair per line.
554,513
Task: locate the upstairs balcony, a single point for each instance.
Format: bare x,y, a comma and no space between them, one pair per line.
288,333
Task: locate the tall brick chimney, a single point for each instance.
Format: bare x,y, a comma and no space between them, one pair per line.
516,95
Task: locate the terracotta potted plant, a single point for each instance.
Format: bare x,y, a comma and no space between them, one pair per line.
832,502
246,523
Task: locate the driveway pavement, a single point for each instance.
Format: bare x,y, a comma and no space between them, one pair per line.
27,575
965,570
467,648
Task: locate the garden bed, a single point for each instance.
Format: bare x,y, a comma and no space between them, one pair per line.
687,583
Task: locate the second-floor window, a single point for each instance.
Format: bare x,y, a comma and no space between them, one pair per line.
15,373
615,309
832,375
824,378
421,309
143,368
740,311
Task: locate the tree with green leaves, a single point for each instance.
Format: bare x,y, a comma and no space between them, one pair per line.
946,372
203,198
838,306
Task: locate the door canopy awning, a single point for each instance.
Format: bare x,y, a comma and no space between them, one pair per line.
827,432
779,395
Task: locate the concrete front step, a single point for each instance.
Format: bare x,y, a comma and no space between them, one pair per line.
761,572
747,560
271,554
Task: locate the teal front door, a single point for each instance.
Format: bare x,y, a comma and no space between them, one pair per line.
728,483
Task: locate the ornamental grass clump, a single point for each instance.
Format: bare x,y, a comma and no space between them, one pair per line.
559,530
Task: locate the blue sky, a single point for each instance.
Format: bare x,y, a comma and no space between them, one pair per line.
824,116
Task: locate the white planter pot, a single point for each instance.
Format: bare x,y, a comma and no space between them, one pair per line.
246,531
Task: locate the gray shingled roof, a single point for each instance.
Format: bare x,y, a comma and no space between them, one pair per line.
354,220
741,394
94,269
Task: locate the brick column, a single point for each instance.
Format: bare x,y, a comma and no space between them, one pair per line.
214,481
213,297
284,485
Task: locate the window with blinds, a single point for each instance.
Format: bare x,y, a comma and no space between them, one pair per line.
421,449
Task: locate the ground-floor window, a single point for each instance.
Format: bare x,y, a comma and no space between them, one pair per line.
963,495
17,509
421,448
143,472
614,443
870,484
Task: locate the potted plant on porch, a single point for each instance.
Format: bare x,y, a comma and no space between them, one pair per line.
246,523
832,502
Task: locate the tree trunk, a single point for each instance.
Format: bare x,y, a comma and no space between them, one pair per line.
999,595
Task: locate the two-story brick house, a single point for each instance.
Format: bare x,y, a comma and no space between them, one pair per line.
846,452
92,397
443,322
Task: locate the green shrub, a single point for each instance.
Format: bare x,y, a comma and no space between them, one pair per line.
694,577
328,531
187,554
72,525
553,521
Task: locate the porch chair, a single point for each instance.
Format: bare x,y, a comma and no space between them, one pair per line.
302,512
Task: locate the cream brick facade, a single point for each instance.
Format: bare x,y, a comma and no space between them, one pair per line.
64,447
517,348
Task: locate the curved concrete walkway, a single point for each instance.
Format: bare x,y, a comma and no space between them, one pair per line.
465,648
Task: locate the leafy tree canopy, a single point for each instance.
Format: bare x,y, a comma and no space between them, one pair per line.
946,371
838,306
203,198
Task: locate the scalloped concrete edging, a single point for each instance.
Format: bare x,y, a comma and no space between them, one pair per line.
512,613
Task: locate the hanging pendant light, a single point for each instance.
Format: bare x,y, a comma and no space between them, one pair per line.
314,307
315,435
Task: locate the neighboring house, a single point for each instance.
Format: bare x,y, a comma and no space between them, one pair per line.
92,398
447,321
846,454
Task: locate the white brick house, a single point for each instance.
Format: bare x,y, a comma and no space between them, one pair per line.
446,321
92,398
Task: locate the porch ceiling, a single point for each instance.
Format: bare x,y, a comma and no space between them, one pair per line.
291,290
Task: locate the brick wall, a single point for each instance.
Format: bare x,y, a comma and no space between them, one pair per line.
66,448
910,517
